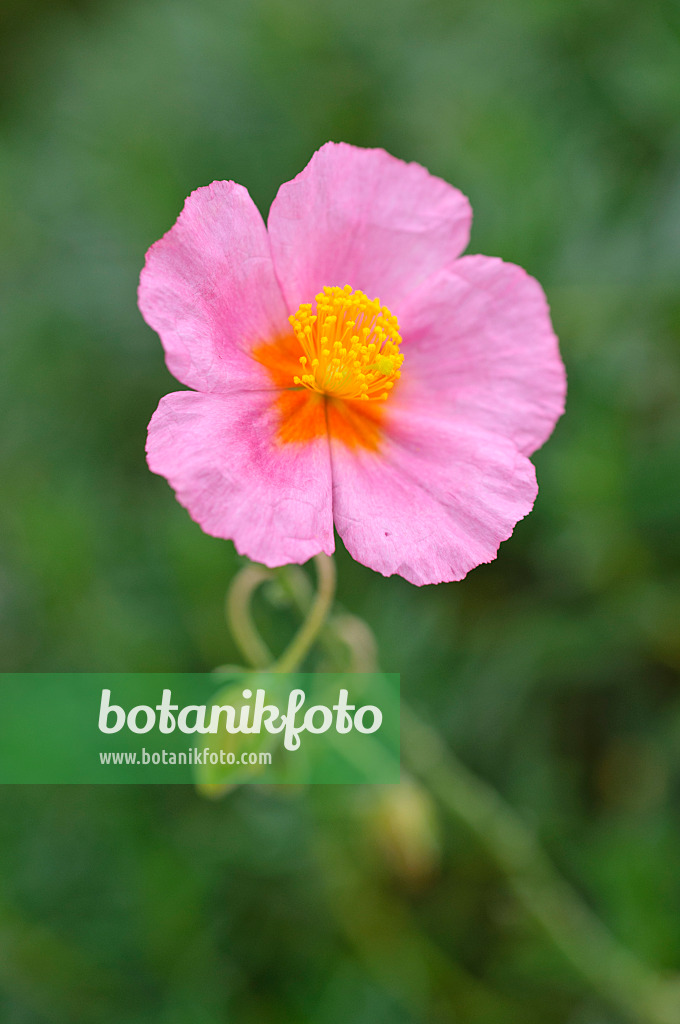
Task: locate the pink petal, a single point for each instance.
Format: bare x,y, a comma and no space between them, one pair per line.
221,456
435,502
361,217
209,289
478,341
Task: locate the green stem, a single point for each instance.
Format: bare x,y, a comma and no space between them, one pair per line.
608,966
296,651
237,608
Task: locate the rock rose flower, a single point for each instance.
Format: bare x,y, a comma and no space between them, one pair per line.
349,367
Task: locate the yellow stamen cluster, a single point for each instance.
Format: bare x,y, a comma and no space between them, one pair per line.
350,345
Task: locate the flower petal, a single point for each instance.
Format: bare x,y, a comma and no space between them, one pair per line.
210,291
221,456
436,501
362,217
478,341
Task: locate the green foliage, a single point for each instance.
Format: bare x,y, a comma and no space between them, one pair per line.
552,671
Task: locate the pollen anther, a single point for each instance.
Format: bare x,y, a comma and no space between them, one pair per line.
351,345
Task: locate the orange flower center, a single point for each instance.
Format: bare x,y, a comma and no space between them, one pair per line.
334,370
350,346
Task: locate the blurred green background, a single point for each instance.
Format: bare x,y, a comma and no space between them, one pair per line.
552,671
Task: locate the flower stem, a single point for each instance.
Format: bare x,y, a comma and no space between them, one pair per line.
611,969
239,619
296,651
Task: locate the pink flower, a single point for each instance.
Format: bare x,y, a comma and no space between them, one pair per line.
405,420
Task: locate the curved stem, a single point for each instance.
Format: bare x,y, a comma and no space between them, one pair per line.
294,654
642,994
240,622
609,967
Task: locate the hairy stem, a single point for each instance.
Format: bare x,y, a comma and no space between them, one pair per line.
239,618
611,969
296,651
